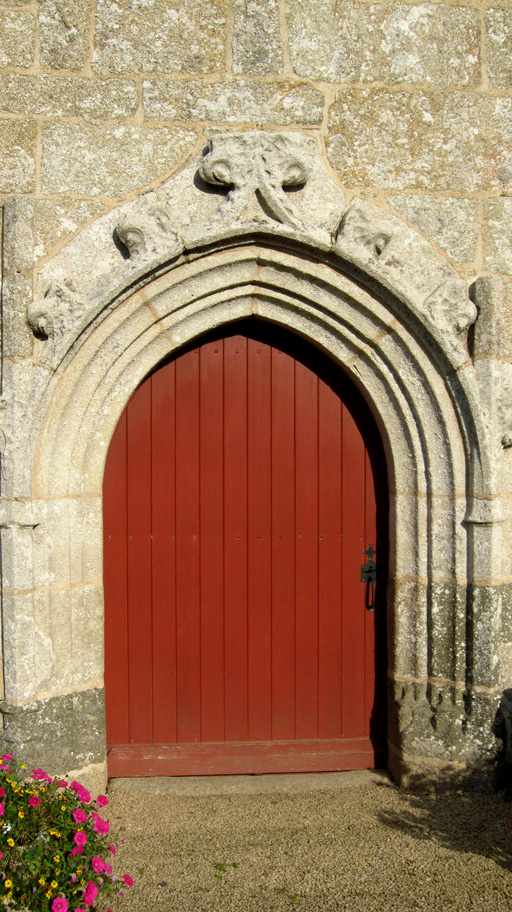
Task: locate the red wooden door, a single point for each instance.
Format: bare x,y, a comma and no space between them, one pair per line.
239,493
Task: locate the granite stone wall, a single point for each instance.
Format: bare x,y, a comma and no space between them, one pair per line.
409,106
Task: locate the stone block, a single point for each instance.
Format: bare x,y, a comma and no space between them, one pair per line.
64,33
54,221
59,733
94,159
18,237
384,42
63,96
424,140
256,38
17,336
487,293
17,154
506,612
497,235
17,38
498,24
234,102
159,36
452,224
484,611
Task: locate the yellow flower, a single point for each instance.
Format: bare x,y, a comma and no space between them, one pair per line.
9,895
63,807
42,881
54,885
56,858
10,842
8,884
78,871
48,894
82,882
57,872
75,892
21,814
22,767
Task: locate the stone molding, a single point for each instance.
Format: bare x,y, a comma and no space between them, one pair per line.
256,228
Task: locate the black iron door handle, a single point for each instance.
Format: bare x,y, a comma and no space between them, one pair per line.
369,576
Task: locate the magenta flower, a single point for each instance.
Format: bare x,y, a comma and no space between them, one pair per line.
77,850
73,878
80,838
90,893
7,756
2,855
79,816
101,826
2,792
112,848
107,869
2,810
40,774
128,882
102,800
95,815
60,904
61,783
34,800
85,796
98,864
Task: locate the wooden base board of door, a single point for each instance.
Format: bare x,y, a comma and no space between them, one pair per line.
243,758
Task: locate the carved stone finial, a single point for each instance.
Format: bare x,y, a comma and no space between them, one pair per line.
255,167
55,314
147,232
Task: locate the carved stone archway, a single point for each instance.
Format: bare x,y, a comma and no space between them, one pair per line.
255,228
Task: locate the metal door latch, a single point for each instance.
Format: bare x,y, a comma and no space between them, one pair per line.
369,576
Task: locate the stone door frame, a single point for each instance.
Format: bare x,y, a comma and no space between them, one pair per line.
373,295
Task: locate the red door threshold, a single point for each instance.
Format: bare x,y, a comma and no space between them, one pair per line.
239,758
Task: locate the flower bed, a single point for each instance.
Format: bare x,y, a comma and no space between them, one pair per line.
55,847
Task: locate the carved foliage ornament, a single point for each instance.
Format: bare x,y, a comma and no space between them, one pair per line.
259,172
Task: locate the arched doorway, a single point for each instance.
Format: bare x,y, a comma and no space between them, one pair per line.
243,482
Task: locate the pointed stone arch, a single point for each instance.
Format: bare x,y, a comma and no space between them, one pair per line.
270,242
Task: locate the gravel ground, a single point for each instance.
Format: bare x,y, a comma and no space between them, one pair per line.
321,843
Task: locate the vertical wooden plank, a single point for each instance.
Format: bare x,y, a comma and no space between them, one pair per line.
283,546
370,535
163,485
259,543
331,596
353,621
115,572
188,683
306,544
235,537
212,540
139,564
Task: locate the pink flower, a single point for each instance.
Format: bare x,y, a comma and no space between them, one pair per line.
40,774
112,848
7,756
2,792
73,878
60,904
108,869
79,816
2,855
98,864
95,815
61,783
80,838
34,800
101,826
90,893
76,785
77,850
102,800
121,893
85,796
2,810
128,882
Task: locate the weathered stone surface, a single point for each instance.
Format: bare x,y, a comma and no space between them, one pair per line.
437,141
497,235
16,297
112,161
60,733
256,38
499,47
61,96
17,38
54,221
64,33
234,102
18,235
160,36
17,154
452,224
384,42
